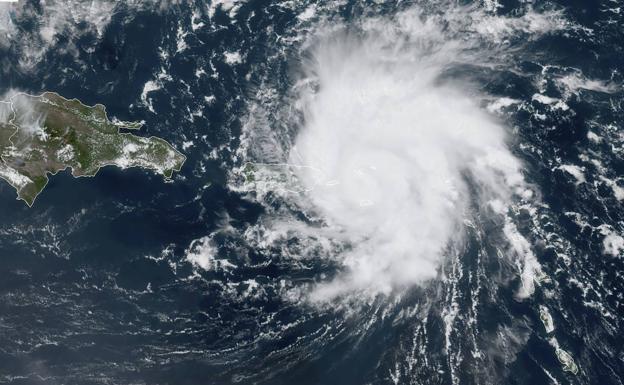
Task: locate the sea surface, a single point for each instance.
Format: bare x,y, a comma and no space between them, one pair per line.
375,192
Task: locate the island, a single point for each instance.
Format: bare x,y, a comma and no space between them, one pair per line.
547,319
45,134
566,361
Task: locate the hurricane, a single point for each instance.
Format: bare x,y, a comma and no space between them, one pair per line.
405,155
395,153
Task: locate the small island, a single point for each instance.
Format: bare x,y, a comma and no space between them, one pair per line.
547,319
566,361
45,134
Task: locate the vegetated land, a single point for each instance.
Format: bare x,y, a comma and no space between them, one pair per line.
42,135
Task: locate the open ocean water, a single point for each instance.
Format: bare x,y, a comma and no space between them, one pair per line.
375,192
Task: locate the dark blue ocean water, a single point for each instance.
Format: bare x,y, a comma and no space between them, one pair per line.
95,286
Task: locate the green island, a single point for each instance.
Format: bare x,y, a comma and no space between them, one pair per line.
566,361
43,135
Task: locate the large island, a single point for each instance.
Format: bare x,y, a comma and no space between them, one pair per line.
45,134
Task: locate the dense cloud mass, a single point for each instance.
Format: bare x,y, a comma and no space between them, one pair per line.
388,144
395,146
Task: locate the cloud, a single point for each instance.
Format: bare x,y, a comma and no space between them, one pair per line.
395,147
52,19
385,154
47,23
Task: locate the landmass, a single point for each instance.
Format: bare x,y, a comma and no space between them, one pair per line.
547,319
42,135
279,177
566,361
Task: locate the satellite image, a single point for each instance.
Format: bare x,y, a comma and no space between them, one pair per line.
298,192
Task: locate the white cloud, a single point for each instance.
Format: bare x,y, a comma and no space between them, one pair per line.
203,253
72,18
387,143
613,242
388,149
